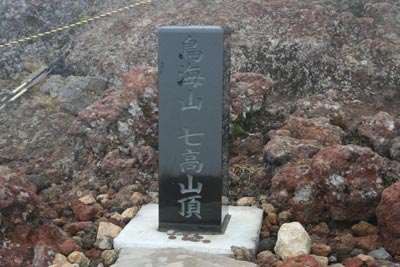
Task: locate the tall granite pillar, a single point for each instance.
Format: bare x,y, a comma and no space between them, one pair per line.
194,70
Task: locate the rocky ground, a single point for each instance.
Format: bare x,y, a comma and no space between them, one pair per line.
314,130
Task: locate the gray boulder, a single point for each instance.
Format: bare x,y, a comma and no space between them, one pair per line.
74,93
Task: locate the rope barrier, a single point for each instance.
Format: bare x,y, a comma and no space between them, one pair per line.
82,22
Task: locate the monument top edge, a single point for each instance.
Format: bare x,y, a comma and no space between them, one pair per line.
195,28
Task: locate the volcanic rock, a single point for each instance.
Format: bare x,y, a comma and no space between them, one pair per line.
301,261
388,214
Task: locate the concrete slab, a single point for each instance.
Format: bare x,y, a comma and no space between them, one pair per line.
243,231
174,257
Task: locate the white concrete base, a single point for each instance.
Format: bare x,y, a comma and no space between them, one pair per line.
174,257
243,231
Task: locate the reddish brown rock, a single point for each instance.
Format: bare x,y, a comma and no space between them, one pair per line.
367,243
265,234
378,130
295,188
301,261
321,230
68,246
342,245
353,262
47,241
282,149
18,206
19,215
318,129
48,234
320,249
364,229
21,234
85,212
93,254
138,80
343,182
351,177
388,214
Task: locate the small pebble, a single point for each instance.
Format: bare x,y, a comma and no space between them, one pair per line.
265,234
129,213
268,208
266,244
79,258
88,199
381,254
273,218
185,238
109,257
284,217
206,241
245,201
60,259
172,237
274,229
117,209
104,243
332,259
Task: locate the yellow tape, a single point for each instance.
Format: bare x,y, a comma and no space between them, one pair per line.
85,21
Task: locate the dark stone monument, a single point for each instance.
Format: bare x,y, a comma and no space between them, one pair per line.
194,64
